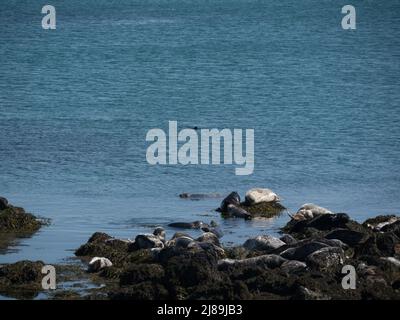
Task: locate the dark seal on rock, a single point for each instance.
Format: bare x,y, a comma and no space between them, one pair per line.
3,203
232,198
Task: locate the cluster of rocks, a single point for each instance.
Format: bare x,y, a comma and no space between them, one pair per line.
304,263
15,222
258,202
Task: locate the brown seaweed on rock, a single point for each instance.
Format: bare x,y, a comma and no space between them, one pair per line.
16,223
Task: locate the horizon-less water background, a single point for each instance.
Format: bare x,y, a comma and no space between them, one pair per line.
76,104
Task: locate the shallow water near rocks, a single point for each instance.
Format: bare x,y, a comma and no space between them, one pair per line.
76,104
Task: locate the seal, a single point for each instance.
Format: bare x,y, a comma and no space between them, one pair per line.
232,198
238,212
258,195
309,210
199,196
3,203
188,225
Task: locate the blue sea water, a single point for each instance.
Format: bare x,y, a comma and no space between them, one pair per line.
76,104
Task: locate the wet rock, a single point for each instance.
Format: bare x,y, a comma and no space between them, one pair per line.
264,209
324,222
326,259
189,267
3,203
263,243
265,261
259,195
142,272
233,198
147,290
237,212
13,219
293,266
209,237
21,279
99,263
303,250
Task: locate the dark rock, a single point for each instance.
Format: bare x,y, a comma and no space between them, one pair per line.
21,279
137,273
14,219
142,291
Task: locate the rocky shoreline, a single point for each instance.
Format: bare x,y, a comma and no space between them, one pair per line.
16,223
305,262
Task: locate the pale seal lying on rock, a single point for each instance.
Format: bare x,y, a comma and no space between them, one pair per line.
99,263
258,195
309,211
267,261
263,243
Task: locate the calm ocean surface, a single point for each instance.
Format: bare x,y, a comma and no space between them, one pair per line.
76,104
